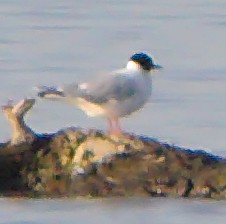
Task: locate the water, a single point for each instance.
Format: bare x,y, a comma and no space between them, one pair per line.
55,41
133,211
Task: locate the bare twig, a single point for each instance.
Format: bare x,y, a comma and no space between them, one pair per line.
21,133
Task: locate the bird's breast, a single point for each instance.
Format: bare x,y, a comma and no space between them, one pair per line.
145,86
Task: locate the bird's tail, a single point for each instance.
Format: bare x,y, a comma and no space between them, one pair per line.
52,93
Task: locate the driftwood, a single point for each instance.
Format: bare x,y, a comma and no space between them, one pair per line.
78,162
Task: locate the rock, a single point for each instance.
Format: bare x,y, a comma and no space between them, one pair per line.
77,162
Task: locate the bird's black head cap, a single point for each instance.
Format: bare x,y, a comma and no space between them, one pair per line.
144,60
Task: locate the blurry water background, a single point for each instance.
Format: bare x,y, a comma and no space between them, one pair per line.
112,211
61,41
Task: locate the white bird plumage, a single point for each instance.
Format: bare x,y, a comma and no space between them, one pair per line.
117,95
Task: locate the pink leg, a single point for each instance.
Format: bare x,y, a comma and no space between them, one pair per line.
117,126
114,126
110,125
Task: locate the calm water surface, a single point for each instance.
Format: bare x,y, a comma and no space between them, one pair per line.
111,211
55,41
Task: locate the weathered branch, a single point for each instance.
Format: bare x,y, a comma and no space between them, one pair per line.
78,162
21,133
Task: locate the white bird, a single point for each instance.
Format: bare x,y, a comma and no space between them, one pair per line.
117,95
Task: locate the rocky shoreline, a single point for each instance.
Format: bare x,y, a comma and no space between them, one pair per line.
77,162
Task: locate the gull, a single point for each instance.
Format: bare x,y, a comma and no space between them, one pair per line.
114,96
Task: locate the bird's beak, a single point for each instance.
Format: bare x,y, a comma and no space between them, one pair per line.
156,67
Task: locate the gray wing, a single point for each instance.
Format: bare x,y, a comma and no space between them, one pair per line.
118,87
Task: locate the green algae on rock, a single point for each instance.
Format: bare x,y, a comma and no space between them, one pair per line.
78,162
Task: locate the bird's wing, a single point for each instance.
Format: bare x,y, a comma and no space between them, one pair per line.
118,87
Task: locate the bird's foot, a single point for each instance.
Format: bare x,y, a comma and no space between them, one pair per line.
115,132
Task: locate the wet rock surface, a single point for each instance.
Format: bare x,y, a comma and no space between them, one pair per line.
77,162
